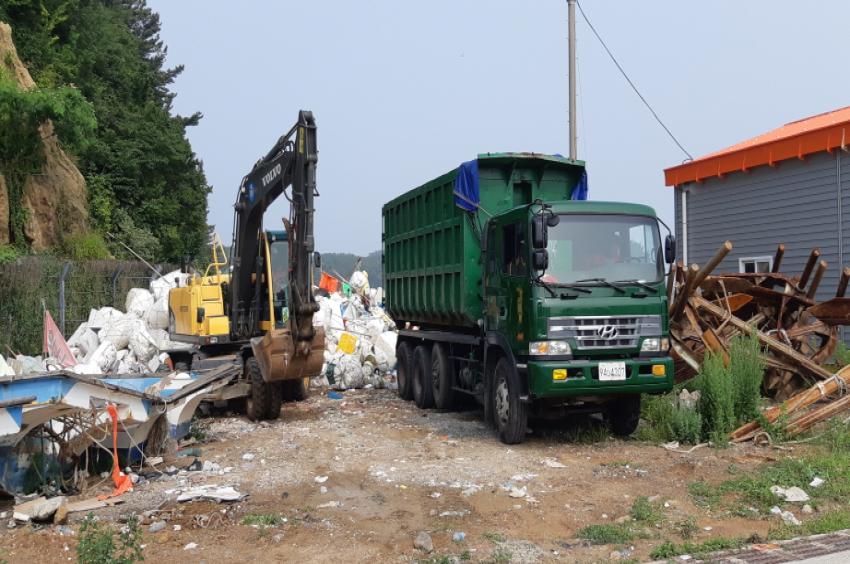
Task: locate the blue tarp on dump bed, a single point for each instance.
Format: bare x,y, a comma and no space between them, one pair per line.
466,192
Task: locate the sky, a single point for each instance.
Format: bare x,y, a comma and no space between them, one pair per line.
405,91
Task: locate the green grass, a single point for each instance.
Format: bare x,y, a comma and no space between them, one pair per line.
645,511
263,519
606,533
829,458
687,528
495,537
670,549
617,464
98,543
502,556
704,495
842,355
828,522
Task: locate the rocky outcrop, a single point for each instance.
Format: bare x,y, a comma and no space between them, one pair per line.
55,198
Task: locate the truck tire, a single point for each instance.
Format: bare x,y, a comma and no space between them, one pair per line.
404,371
510,411
263,402
442,378
623,415
422,390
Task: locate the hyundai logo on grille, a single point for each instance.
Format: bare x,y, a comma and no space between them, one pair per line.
607,332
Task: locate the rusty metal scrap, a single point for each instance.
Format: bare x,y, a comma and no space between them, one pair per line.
798,334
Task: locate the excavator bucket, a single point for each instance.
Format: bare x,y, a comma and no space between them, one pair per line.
275,352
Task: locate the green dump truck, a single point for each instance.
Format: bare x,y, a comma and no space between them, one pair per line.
508,289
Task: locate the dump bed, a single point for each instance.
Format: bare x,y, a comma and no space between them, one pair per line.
432,250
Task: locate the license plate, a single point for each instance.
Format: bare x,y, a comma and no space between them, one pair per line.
612,371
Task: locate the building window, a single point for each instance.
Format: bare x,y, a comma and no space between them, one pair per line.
755,264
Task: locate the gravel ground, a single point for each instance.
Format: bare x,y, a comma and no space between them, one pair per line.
358,479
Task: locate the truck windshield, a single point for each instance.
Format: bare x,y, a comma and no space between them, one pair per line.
609,247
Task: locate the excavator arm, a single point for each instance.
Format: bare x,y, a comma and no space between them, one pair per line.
290,163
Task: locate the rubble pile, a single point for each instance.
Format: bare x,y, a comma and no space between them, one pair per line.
798,335
360,338
114,342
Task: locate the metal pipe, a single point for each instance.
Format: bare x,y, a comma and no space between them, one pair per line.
777,258
807,271
571,9
816,280
842,282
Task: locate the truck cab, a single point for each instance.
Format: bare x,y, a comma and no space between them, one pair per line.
576,291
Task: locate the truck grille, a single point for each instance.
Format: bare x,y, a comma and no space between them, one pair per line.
605,332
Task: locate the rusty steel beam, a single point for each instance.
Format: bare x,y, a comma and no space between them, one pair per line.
842,282
777,258
709,267
804,365
682,298
810,293
810,265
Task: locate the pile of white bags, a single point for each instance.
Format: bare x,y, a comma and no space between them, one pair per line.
360,340
115,342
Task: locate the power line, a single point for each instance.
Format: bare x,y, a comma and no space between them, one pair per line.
629,80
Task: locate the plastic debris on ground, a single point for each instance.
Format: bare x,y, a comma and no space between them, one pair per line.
360,338
114,342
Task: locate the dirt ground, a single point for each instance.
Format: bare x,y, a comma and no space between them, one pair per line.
357,479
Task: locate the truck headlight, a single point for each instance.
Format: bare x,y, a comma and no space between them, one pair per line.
655,344
539,348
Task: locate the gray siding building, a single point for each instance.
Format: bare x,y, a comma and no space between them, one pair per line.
790,185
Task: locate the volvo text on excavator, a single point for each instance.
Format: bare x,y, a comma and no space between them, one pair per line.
258,306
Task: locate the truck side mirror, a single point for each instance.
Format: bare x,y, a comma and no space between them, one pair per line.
539,237
317,260
670,249
540,259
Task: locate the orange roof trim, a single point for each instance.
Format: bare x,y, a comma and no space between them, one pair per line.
795,140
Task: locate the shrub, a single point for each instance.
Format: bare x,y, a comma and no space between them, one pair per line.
717,398
84,246
747,370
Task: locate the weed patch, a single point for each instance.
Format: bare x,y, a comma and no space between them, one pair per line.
98,545
670,549
606,534
263,519
645,511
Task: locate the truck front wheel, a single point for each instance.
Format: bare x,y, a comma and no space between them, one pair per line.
422,390
623,415
404,371
510,412
263,401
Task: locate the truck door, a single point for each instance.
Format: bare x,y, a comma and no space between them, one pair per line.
515,270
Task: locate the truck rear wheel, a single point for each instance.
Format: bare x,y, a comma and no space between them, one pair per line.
404,371
263,401
422,389
442,377
509,410
623,415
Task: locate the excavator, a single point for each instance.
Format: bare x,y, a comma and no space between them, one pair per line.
257,308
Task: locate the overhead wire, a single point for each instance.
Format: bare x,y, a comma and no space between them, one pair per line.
632,84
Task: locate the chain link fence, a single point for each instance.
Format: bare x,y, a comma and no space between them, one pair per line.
69,290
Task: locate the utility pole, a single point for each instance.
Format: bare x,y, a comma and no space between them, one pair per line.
571,6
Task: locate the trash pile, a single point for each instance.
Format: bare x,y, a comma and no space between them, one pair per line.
797,334
113,342
360,338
